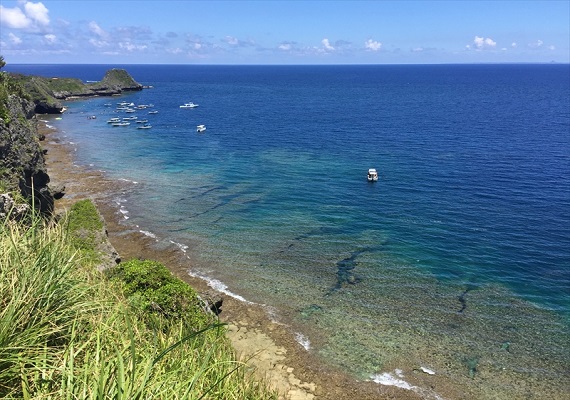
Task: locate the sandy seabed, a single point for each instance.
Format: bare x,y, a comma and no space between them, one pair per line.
268,346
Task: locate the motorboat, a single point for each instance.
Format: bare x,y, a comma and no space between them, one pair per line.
121,124
114,120
145,126
189,105
142,121
200,128
372,175
153,112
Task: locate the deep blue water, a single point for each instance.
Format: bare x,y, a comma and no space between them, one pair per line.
464,240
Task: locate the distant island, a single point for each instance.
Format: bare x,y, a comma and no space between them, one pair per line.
47,93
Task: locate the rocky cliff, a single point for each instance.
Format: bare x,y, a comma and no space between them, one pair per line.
22,164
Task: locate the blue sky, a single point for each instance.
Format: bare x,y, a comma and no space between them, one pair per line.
284,32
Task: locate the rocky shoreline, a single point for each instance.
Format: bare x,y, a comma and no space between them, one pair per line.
266,344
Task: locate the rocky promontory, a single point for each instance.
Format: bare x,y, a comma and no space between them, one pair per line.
47,93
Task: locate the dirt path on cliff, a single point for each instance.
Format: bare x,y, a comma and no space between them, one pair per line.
267,345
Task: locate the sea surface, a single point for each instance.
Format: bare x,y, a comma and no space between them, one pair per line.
456,262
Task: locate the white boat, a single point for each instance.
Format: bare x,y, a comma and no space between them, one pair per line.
129,118
153,112
189,105
200,128
372,175
145,126
114,120
121,124
142,121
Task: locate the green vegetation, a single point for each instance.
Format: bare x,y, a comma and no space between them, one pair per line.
8,86
67,332
118,77
158,295
86,228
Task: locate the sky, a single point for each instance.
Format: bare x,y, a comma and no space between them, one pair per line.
284,32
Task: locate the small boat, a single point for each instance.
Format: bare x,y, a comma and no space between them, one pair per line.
200,128
189,105
145,126
372,175
121,124
129,118
114,120
142,121
153,112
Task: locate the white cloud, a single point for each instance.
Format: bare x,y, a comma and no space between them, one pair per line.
231,40
536,44
14,18
37,12
327,45
32,16
96,29
514,44
372,45
50,38
551,47
482,43
285,46
98,43
132,47
14,39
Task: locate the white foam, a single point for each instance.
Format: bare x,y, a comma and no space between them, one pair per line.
303,340
428,371
396,379
147,233
128,180
218,285
181,246
125,212
388,379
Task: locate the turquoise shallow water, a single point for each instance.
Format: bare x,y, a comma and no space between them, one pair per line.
456,260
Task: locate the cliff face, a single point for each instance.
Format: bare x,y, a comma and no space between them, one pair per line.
22,163
47,92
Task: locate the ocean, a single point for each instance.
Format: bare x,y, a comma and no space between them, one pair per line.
456,261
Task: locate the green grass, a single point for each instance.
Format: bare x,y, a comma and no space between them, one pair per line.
85,230
67,332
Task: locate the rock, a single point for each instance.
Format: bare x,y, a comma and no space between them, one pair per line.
58,190
212,301
22,163
9,207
